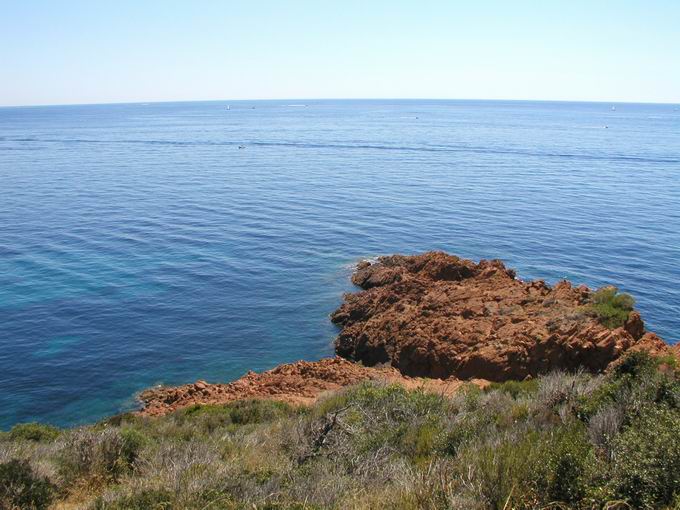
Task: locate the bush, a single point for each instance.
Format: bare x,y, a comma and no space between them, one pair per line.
21,488
132,442
610,306
558,389
501,471
515,389
145,499
634,383
33,432
646,467
99,455
604,426
636,364
461,433
568,454
373,424
558,441
208,418
258,411
408,423
530,470
118,420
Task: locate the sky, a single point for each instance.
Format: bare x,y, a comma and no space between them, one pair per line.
96,51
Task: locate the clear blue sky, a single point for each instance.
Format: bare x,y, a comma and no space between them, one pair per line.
90,51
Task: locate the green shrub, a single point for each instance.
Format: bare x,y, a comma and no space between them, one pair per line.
99,455
668,393
392,398
502,471
33,432
636,364
558,441
530,470
610,306
646,467
612,393
409,422
133,442
208,418
459,435
519,412
568,455
21,488
419,442
515,389
118,420
373,421
145,499
669,360
634,383
258,411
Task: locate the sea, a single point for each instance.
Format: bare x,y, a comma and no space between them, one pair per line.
161,243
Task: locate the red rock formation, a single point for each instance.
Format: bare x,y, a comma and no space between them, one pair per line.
442,317
436,315
297,383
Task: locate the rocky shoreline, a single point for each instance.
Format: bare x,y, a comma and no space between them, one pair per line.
434,321
299,383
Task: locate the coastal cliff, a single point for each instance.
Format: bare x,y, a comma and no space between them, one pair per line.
433,321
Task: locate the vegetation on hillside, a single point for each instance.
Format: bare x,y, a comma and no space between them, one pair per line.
562,441
610,306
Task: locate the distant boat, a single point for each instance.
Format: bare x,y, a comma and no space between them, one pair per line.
228,107
613,108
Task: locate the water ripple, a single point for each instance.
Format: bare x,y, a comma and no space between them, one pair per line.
139,245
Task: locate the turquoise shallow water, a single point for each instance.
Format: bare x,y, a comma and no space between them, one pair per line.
140,245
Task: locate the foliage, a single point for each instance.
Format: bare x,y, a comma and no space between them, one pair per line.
646,467
100,455
515,388
610,306
145,499
241,413
560,441
637,364
21,488
370,419
33,432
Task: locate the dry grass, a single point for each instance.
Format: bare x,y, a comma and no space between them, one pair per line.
551,443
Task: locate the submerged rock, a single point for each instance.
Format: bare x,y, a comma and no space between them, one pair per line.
437,315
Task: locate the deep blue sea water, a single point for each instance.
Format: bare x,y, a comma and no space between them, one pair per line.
140,245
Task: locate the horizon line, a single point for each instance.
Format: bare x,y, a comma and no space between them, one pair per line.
141,102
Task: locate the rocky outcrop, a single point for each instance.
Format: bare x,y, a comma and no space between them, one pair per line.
437,315
298,383
432,321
